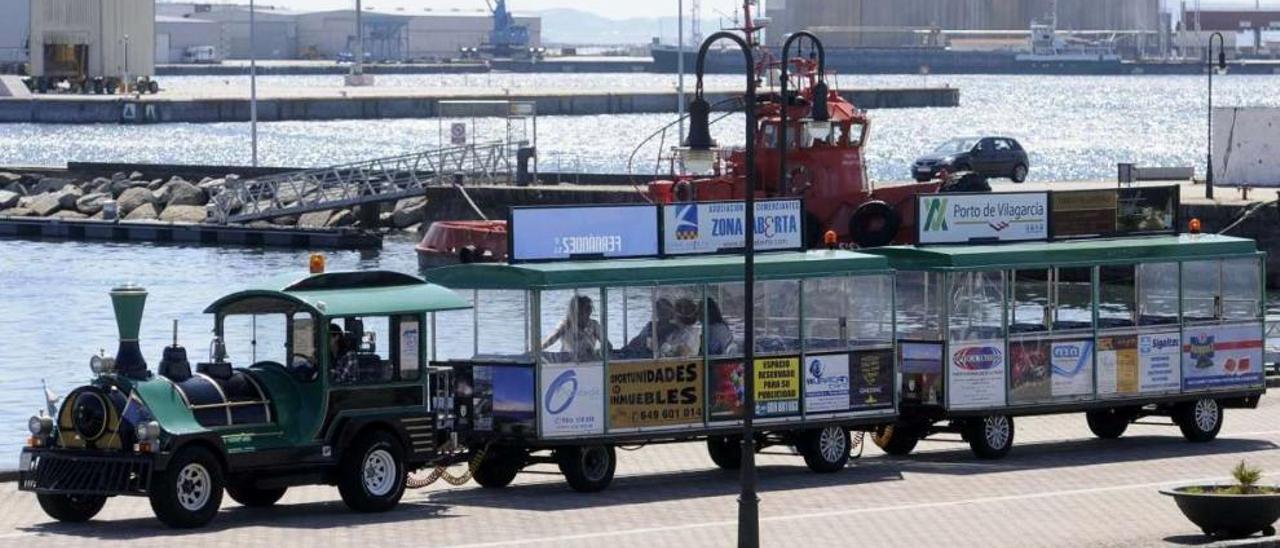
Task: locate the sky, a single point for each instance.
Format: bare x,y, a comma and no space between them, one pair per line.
617,9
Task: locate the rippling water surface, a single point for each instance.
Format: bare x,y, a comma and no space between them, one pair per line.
56,311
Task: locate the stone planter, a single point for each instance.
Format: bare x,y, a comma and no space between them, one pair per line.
1228,516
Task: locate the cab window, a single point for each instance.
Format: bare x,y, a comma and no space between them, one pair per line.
374,350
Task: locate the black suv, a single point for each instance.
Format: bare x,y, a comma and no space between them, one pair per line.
987,156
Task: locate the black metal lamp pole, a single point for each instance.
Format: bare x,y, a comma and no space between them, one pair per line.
1222,62
700,139
819,97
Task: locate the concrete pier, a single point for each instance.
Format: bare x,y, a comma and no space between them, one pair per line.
187,233
281,104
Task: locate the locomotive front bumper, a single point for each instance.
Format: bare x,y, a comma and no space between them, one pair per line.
80,472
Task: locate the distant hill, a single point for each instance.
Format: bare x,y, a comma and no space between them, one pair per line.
577,27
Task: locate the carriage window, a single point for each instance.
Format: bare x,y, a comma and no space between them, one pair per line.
1201,281
777,316
1073,299
826,313
360,350
501,324
1117,297
680,334
1241,289
304,361
1157,293
871,311
1029,311
571,330
919,313
725,319
977,306
631,315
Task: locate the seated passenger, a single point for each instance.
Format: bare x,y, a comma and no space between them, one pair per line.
664,313
579,334
343,365
686,339
719,336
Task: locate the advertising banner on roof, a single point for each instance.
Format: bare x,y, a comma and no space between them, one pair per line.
551,233
718,226
987,217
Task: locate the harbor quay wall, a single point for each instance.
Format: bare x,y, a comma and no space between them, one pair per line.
69,109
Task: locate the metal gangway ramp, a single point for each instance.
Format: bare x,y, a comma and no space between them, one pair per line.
366,182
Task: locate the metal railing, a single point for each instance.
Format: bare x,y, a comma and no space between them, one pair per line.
371,181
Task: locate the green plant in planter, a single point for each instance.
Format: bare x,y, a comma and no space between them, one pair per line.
1247,478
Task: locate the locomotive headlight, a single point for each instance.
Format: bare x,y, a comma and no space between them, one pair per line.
40,425
101,364
148,431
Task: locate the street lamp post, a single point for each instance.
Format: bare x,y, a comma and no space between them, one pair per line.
820,115
1222,63
680,65
700,143
253,87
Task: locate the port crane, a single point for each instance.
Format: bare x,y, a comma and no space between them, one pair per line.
506,40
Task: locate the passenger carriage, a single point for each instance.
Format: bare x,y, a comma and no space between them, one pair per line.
824,358
1119,328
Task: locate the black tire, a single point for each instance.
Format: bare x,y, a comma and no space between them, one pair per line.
896,439
71,508
587,469
1108,424
1019,173
254,497
874,224
989,437
1200,420
499,468
825,450
371,474
188,493
153,87
725,451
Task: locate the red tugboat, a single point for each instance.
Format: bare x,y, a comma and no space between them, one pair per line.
826,168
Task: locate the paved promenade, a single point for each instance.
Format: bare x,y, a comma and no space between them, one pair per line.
1059,487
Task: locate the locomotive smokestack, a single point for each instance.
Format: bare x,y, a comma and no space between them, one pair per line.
128,301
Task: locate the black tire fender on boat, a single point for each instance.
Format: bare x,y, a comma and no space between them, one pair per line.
874,224
683,192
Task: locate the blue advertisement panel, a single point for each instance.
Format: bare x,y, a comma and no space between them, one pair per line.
551,233
718,226
1221,356
503,399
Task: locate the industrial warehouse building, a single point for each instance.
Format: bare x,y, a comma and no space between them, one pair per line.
95,38
394,35
877,23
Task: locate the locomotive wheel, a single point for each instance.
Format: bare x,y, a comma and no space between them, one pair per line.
253,497
71,508
587,469
1108,424
1199,420
990,437
725,451
896,439
825,450
188,493
499,468
371,475
874,224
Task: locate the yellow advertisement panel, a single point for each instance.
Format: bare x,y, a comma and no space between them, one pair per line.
777,386
649,394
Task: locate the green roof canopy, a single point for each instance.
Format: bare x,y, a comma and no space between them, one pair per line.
1073,253
373,293
623,272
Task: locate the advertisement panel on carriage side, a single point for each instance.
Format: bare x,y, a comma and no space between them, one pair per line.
989,217
728,389
649,394
872,379
1221,356
1072,365
1118,365
547,233
976,374
1158,360
777,386
503,398
717,226
826,383
921,371
1030,374
572,400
